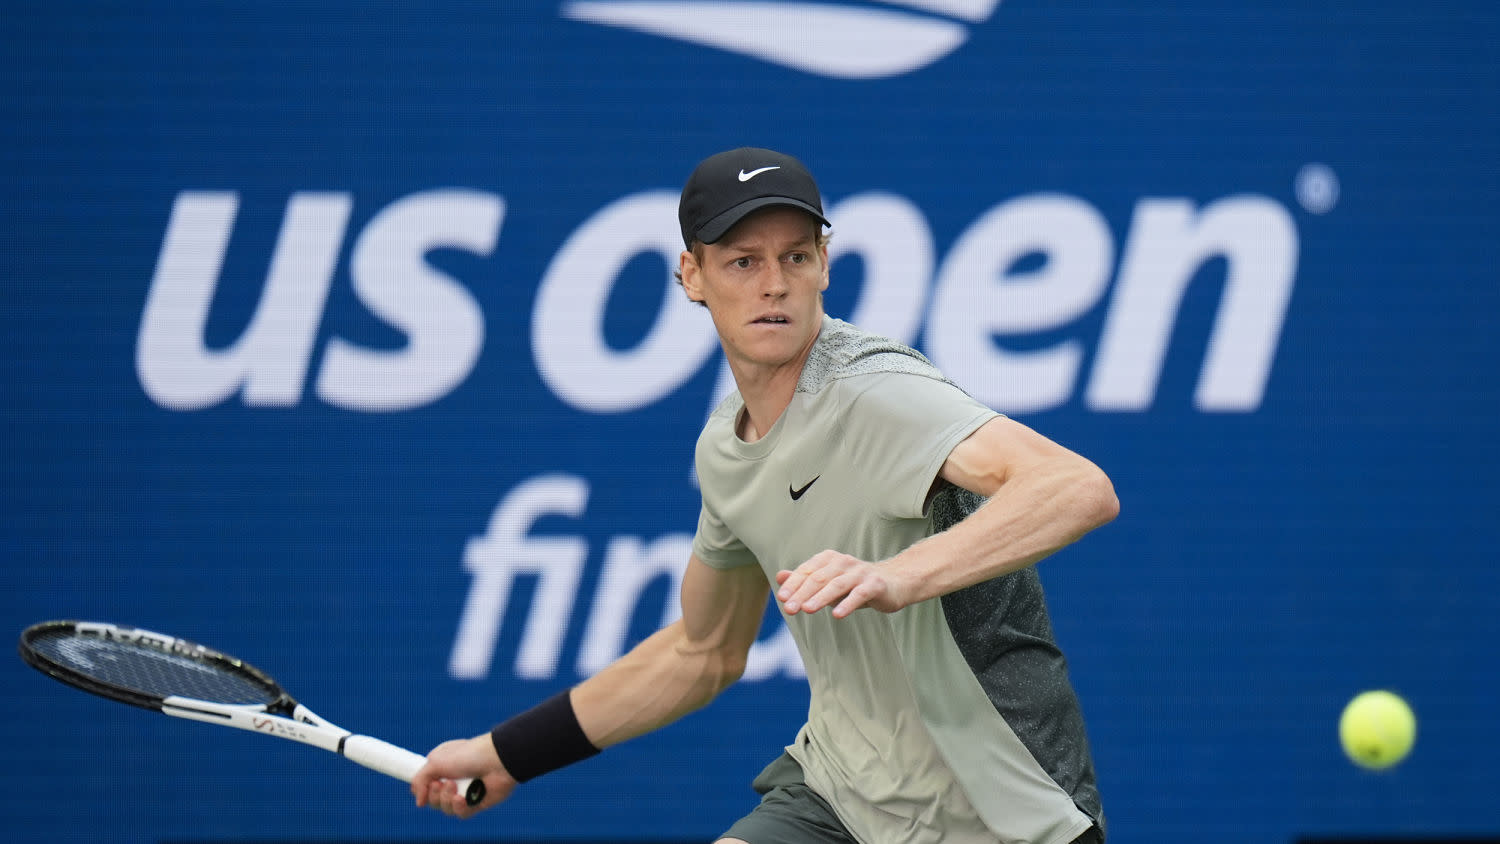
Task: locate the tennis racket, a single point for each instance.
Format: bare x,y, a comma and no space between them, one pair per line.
187,680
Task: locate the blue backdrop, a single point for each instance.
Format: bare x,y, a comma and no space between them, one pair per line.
341,337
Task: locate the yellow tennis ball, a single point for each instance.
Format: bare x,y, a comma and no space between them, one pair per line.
1377,729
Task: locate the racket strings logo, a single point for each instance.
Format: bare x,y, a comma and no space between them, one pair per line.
85,653
98,653
835,40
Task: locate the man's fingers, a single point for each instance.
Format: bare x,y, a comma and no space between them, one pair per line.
828,581
788,580
859,596
849,592
831,579
796,586
833,590
820,567
806,590
420,787
443,795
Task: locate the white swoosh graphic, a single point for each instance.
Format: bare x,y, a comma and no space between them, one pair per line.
969,10
745,177
829,40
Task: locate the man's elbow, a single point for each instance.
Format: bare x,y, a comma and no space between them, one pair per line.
727,670
714,671
1098,498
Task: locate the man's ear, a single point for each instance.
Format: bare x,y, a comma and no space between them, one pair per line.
692,279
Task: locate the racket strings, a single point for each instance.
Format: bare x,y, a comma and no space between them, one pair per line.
144,668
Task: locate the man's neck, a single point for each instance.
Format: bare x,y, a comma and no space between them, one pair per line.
767,392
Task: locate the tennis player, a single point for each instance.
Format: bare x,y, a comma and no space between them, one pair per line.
898,521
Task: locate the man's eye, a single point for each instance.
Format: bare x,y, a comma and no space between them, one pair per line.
798,257
742,263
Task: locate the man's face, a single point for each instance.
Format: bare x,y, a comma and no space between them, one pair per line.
763,284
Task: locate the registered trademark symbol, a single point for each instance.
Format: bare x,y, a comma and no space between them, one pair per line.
1317,188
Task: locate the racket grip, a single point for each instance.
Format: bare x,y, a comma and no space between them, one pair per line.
400,763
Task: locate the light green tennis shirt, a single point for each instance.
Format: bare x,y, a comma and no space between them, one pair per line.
953,719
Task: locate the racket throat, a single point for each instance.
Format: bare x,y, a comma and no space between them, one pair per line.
287,708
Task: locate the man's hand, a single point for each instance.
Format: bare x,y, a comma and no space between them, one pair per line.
460,759
838,580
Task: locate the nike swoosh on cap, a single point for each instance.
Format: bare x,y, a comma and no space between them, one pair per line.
745,177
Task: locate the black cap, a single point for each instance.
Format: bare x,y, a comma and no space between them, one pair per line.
726,187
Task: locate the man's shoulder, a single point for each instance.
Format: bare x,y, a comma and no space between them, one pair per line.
727,407
721,420
845,351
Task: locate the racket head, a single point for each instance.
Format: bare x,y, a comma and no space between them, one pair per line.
140,667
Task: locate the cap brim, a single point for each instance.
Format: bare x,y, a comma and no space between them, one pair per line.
711,231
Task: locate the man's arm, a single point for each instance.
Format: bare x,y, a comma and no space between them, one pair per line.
675,671
1042,497
683,666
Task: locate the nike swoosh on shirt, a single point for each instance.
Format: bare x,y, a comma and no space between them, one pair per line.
797,493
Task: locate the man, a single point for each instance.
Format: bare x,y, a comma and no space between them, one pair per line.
898,521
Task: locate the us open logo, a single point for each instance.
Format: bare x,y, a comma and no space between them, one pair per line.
838,40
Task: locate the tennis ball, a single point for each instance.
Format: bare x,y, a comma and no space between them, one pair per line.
1377,729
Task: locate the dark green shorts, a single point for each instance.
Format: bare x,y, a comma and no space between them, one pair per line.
792,813
789,811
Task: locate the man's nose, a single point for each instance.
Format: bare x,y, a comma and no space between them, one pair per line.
774,283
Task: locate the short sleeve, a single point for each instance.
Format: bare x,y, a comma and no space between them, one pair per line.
716,546
903,427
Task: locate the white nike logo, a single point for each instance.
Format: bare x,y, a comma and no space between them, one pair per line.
745,177
839,40
755,173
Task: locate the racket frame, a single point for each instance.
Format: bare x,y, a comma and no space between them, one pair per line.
283,717
136,635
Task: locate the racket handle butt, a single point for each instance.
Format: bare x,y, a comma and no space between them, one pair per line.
472,790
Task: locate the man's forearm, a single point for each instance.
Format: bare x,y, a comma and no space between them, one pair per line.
660,680
1031,516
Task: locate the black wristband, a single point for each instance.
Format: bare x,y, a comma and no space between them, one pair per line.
541,739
